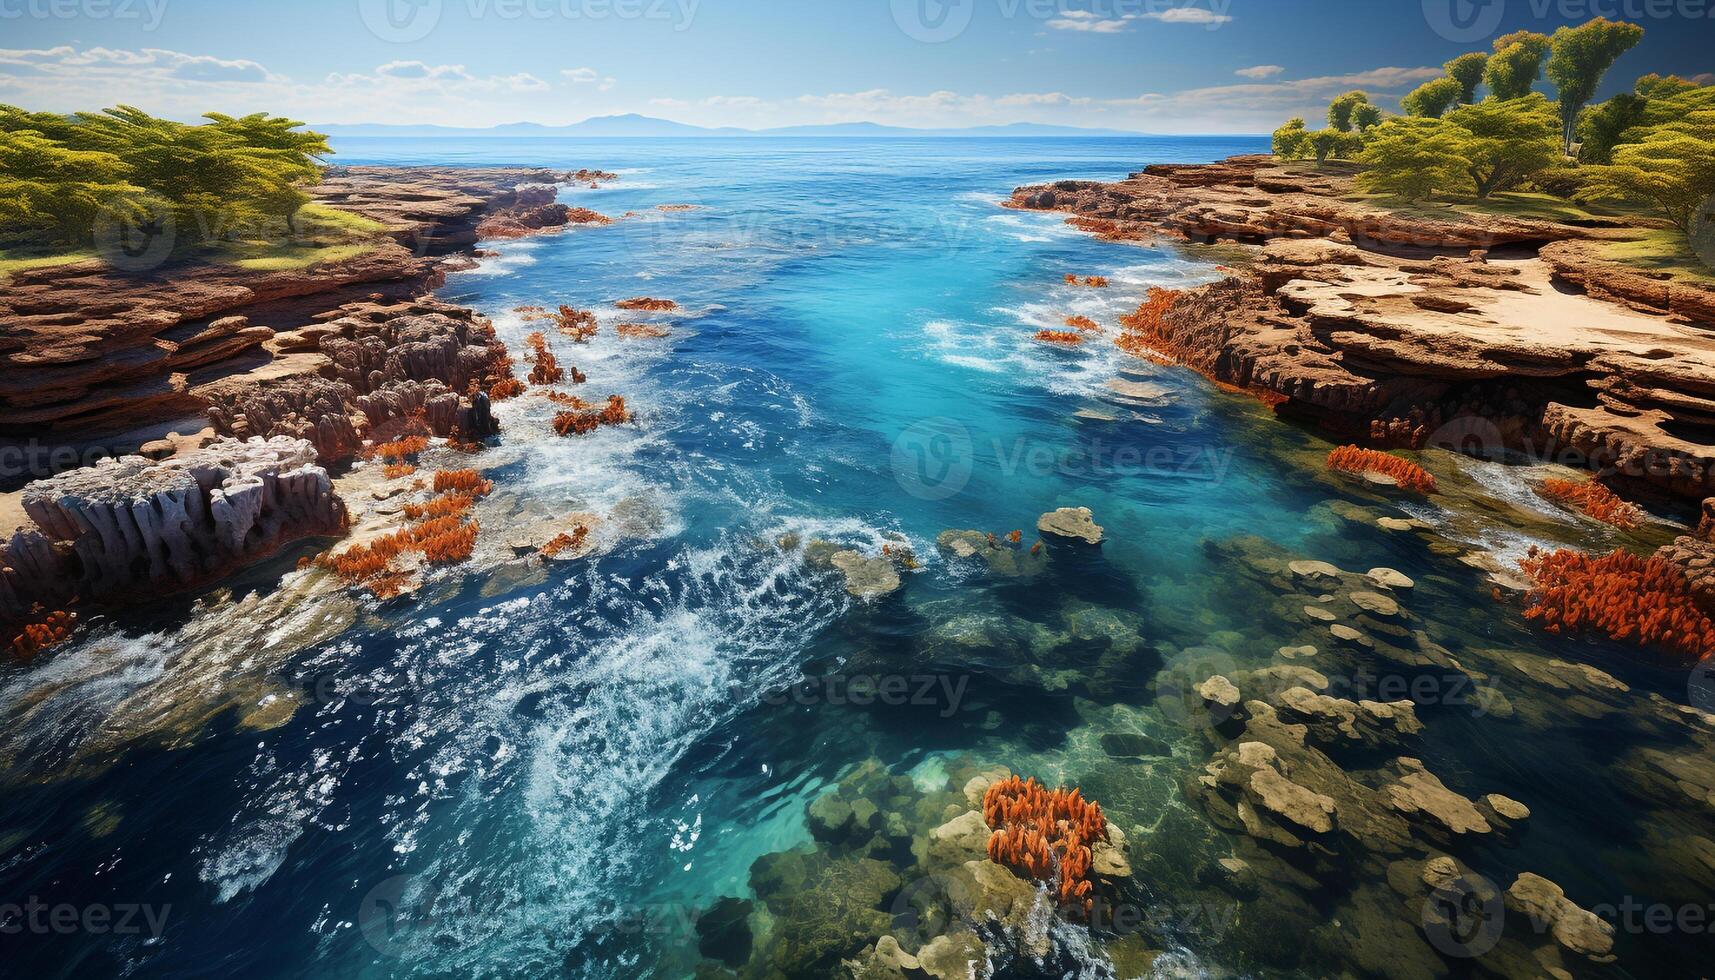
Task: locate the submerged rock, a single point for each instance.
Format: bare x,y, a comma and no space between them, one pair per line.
866,578
723,932
1075,523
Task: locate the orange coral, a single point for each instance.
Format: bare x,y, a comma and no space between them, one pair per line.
400,448
579,422
641,330
1015,537
580,325
564,542
49,629
449,504
546,369
463,481
1409,475
1083,323
1063,338
395,471
647,303
1100,282
1140,330
1045,835
505,388
1595,500
1645,601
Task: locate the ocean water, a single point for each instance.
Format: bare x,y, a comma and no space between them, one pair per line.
522,775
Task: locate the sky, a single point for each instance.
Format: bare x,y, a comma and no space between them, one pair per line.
1160,66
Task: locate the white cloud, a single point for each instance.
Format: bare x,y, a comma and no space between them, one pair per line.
69,63
1187,15
417,69
589,76
1259,71
1076,20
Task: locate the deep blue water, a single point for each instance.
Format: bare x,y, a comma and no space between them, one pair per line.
524,763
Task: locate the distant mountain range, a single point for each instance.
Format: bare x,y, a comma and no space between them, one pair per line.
635,125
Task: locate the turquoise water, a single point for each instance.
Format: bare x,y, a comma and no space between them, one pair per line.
552,777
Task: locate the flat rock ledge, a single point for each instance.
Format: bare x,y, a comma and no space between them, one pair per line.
133,527
1075,523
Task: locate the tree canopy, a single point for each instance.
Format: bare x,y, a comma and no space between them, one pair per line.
1671,166
1505,142
1467,70
1516,64
61,177
1581,56
1432,98
1410,157
1341,109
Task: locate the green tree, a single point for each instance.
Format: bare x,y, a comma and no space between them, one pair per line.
46,187
1581,56
1431,99
1601,126
1670,166
1467,70
1325,143
1506,142
1290,140
1340,110
1366,115
1412,157
1516,64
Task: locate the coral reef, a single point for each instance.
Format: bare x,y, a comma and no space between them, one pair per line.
1062,338
579,422
1083,323
580,325
1595,500
1373,463
1629,598
46,629
1045,835
437,530
544,369
564,541
505,388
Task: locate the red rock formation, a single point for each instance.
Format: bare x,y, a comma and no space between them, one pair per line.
580,325
579,422
647,304
1083,323
641,331
565,542
1061,338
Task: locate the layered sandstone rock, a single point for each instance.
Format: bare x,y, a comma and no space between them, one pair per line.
1361,319
131,526
88,349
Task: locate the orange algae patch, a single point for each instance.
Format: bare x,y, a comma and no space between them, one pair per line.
1083,323
444,505
1595,500
50,629
462,481
1631,599
1352,459
439,533
566,542
1098,282
579,422
395,471
1140,330
1045,835
647,304
1063,338
641,330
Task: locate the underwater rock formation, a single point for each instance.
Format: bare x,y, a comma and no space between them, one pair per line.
1072,523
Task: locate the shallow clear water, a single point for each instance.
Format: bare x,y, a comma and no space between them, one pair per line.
555,775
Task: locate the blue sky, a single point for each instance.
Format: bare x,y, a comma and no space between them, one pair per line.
1148,65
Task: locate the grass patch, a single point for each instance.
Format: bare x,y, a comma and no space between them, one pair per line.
287,258
25,258
1531,205
1665,250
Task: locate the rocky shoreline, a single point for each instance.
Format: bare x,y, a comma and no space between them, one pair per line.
1409,330
267,381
